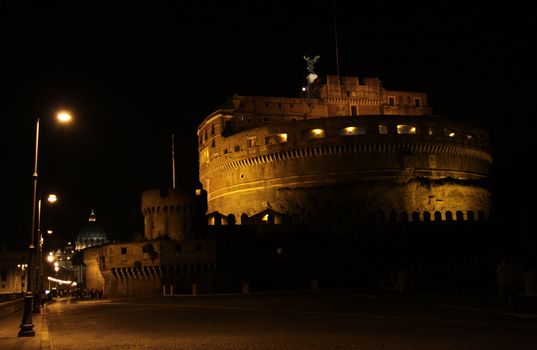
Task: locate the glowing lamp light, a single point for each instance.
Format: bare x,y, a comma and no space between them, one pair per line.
56,268
283,137
52,198
64,117
49,232
451,134
265,218
303,88
50,258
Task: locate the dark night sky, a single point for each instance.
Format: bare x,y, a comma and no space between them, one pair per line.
134,74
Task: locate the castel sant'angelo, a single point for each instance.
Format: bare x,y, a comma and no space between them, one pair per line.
348,149
338,187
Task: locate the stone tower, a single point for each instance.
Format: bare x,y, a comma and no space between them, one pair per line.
173,213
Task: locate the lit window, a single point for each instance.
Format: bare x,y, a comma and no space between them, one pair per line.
317,133
417,102
251,142
391,100
204,156
450,132
383,129
275,139
429,131
352,130
404,129
198,192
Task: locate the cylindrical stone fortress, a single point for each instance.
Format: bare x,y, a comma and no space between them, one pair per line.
352,152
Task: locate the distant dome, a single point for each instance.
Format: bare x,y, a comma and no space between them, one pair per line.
91,234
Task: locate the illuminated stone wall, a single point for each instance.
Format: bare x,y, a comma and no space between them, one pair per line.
328,165
142,268
172,213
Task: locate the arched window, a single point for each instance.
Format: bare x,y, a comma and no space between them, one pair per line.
471,137
426,216
383,130
244,219
275,139
406,129
470,215
437,216
415,216
459,215
404,216
449,216
352,130
313,134
450,132
231,219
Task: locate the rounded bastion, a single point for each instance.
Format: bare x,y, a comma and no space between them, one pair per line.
345,167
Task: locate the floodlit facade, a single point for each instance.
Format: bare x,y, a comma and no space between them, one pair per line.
346,152
339,187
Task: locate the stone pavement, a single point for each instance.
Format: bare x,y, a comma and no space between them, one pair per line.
9,329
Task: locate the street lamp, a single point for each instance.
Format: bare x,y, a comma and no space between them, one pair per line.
51,198
26,326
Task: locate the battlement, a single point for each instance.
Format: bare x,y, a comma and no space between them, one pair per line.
351,96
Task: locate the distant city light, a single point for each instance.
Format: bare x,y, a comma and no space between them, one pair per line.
52,279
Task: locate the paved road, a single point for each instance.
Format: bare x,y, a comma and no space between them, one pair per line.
292,321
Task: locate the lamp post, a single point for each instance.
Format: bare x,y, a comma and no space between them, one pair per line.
51,198
26,326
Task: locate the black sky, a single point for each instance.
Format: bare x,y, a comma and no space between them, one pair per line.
134,74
